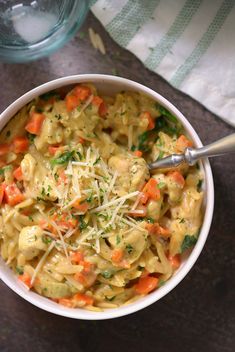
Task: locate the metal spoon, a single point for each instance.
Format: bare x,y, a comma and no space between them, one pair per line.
192,155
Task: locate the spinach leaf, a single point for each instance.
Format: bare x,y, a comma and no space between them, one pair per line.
143,138
49,95
168,114
188,242
133,148
79,155
199,185
63,159
168,127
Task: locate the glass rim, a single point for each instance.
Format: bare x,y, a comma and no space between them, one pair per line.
50,43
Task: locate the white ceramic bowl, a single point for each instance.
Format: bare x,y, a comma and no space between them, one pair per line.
111,85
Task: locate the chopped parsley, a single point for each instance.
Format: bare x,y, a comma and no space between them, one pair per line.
82,224
79,155
118,239
43,192
182,221
140,268
56,177
188,242
58,117
8,134
20,270
52,212
129,248
97,160
159,143
46,239
6,168
30,218
150,220
106,217
31,137
49,188
161,282
107,274
160,155
161,185
90,198
108,229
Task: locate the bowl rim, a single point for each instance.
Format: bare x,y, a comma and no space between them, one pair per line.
44,303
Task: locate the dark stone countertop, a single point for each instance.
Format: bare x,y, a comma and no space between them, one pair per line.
199,314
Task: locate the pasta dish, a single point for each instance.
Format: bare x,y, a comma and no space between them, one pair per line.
82,220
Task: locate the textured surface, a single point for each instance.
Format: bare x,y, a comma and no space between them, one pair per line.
199,315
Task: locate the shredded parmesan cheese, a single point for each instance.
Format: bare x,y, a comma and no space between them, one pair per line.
112,183
114,202
41,262
77,113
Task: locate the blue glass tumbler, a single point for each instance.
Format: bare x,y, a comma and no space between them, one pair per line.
32,29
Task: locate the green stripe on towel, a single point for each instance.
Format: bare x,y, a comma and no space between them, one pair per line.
173,34
130,19
92,2
203,43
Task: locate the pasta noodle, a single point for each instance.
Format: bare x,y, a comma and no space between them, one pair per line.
82,220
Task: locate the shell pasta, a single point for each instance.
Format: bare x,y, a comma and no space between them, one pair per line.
82,221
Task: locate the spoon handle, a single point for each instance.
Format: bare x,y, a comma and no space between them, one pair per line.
222,146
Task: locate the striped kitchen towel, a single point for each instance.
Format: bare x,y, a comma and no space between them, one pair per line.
191,43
